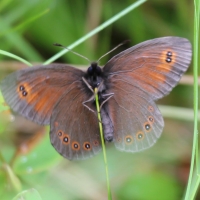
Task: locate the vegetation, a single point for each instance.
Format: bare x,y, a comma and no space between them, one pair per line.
28,29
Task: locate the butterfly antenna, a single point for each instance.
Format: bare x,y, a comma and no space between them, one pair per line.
60,45
126,41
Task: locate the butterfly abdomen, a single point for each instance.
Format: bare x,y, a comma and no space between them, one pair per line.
107,125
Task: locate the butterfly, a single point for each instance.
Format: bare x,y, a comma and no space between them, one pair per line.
128,86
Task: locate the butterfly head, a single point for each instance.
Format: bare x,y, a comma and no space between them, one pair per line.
94,75
94,69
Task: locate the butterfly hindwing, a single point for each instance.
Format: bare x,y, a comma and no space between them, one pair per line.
137,121
74,128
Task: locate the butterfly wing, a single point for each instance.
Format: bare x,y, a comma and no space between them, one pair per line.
154,66
143,74
136,119
54,94
33,92
74,128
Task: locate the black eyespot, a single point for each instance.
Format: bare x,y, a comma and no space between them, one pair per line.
151,119
24,93
75,146
169,53
140,136
87,146
128,139
65,139
59,133
147,127
168,59
21,88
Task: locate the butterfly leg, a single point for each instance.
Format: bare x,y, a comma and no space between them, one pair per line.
92,97
89,100
109,96
104,95
88,85
84,104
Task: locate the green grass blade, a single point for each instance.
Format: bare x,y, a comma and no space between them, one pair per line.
96,30
31,194
14,180
4,4
178,113
103,144
30,20
16,39
24,24
15,57
191,191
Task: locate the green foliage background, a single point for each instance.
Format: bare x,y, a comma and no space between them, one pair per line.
28,29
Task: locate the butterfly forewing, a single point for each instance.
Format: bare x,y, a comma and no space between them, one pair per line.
33,92
155,66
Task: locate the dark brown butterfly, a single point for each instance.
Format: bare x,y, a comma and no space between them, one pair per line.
128,86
